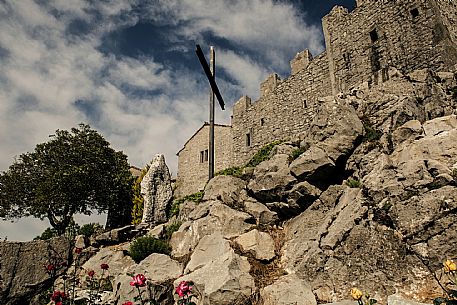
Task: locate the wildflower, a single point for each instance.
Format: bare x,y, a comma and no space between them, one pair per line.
139,280
78,250
104,266
356,294
50,267
127,303
58,296
91,273
449,266
183,288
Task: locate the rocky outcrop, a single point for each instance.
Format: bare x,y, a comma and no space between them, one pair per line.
288,289
26,267
156,191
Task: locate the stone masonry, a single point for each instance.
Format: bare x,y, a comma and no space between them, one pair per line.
193,158
362,46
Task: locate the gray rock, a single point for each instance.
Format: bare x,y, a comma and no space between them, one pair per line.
224,188
300,197
156,191
157,231
219,217
288,289
81,241
439,125
259,244
222,281
23,267
116,236
397,299
313,163
271,179
410,130
209,249
262,214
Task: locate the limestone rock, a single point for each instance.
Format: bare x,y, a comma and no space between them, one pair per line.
156,190
410,130
300,197
22,267
262,214
116,236
271,179
159,269
222,281
260,244
219,217
312,164
210,248
224,188
439,125
288,289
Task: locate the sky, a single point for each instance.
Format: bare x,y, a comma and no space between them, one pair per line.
129,69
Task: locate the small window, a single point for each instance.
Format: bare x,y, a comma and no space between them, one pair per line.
374,36
414,12
347,60
248,139
304,104
262,121
206,155
202,156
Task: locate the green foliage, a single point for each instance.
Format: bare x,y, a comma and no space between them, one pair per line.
196,197
47,234
74,172
297,152
137,199
89,229
262,155
231,171
353,183
142,247
170,229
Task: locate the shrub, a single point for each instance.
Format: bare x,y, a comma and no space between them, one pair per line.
297,152
47,234
196,197
142,247
353,183
89,229
231,171
137,198
170,229
262,155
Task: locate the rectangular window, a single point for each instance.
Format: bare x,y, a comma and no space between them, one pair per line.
374,35
248,139
201,156
206,155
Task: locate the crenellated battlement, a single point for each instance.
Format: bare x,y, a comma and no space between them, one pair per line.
362,47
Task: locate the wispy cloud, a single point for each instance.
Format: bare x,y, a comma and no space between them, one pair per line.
55,73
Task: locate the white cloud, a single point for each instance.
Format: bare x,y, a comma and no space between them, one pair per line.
46,69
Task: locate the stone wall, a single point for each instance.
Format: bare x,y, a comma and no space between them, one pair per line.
407,34
282,110
448,13
193,171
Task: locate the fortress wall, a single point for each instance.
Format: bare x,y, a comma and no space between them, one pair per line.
405,34
193,174
285,108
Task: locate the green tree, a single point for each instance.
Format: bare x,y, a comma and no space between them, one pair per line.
74,172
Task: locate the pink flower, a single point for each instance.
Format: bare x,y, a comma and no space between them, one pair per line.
50,267
78,250
139,280
104,266
91,273
183,288
58,296
127,303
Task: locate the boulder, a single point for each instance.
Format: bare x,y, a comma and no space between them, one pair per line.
410,130
224,279
23,267
288,289
219,217
300,197
159,269
116,236
262,214
439,125
312,165
259,244
225,189
156,191
271,179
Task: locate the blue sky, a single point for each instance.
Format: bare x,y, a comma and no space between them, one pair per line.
128,69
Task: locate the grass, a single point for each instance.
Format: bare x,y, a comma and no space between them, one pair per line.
353,183
196,197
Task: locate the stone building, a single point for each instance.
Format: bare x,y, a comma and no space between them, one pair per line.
193,158
361,47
